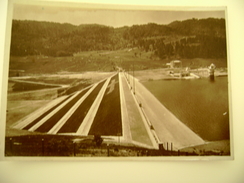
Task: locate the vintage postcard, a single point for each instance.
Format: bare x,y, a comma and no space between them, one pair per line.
110,81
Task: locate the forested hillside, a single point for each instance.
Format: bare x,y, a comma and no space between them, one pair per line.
204,38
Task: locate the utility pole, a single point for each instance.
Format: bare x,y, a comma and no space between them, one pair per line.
11,146
74,148
129,75
119,134
42,147
134,79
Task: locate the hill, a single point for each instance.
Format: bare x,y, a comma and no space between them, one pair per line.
209,26
205,38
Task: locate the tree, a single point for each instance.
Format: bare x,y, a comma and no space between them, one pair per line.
98,140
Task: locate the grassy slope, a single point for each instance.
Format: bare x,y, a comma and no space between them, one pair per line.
101,61
215,146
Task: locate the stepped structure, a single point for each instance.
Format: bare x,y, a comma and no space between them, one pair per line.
119,107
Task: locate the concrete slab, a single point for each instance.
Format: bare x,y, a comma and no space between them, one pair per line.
43,120
61,122
31,117
139,129
124,113
87,122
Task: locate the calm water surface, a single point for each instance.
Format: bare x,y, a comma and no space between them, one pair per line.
201,104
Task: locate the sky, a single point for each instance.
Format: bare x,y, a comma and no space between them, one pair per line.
109,17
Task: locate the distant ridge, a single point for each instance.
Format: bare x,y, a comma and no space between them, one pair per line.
186,39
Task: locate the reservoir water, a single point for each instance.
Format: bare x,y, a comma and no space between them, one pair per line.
199,103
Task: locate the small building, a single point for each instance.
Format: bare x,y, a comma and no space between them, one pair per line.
175,64
176,69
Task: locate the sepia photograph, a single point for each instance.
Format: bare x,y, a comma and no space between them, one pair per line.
108,81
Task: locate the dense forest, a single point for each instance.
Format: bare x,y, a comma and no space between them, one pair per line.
203,38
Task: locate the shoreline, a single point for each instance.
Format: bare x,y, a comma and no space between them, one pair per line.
163,74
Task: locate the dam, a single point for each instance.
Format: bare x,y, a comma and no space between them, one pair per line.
117,107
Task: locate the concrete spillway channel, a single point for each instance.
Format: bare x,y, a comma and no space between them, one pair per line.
111,109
